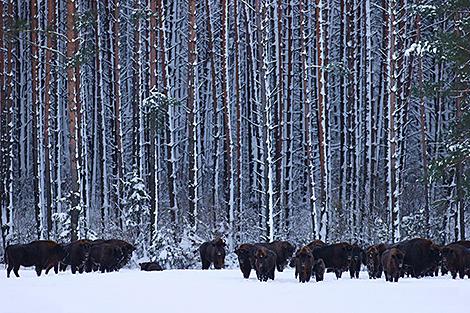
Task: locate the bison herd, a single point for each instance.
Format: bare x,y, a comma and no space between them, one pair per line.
81,255
416,257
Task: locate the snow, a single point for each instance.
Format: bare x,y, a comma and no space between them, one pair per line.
224,291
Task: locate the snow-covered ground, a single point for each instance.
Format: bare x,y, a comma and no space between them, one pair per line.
225,291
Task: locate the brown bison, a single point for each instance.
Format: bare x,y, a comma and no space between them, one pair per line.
108,255
213,252
336,257
319,270
283,251
374,260
465,243
304,262
105,257
421,255
316,244
246,258
456,259
265,263
358,257
392,263
150,266
42,254
76,255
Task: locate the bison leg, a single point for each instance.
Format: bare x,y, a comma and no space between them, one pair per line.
74,269
272,274
38,269
205,264
63,267
56,268
10,267
351,273
16,268
338,274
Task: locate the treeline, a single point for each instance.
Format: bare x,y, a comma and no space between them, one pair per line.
168,122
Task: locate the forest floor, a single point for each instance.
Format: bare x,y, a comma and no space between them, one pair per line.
225,291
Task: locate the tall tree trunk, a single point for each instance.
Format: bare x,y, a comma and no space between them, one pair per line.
118,166
191,111
229,186
321,117
170,128
35,111
423,131
74,117
51,21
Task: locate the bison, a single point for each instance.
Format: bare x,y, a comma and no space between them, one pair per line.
336,257
246,258
456,259
265,263
374,260
213,252
358,257
105,257
150,266
319,270
77,253
304,262
392,263
42,254
283,251
421,255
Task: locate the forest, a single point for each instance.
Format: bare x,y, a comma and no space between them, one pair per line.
167,123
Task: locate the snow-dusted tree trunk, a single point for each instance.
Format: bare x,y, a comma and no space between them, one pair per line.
423,130
192,113
215,115
170,128
239,187
278,118
36,103
229,186
307,122
51,21
288,147
322,116
74,117
118,163
391,156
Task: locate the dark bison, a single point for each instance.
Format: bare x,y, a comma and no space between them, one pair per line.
265,263
421,256
336,257
213,252
304,262
126,249
76,255
108,255
374,260
42,254
465,243
105,257
316,244
319,270
246,258
392,262
150,266
283,251
456,259
358,257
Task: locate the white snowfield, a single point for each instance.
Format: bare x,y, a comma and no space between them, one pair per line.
225,291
